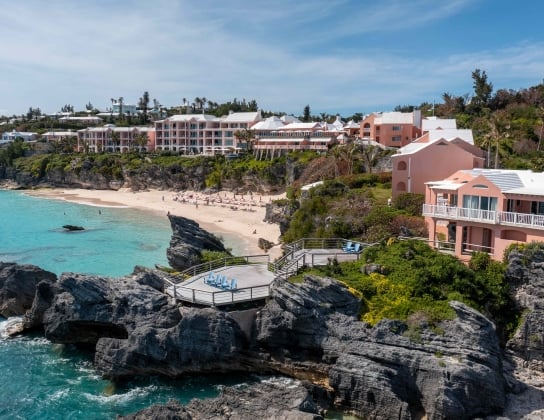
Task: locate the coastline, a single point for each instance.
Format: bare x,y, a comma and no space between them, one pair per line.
223,214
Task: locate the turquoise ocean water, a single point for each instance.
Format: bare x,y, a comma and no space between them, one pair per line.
41,380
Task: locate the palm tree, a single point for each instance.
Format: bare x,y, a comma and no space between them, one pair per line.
120,101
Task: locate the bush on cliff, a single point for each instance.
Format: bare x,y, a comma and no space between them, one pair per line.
403,278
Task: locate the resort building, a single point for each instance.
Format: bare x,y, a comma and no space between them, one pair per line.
56,136
82,120
485,210
204,134
110,138
436,154
10,136
392,129
273,138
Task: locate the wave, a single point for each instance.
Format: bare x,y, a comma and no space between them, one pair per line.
7,325
122,398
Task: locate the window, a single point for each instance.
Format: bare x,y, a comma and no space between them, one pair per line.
401,166
396,138
537,207
480,202
396,128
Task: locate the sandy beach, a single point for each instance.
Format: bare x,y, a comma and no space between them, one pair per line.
236,218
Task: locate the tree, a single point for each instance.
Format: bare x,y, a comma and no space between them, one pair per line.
482,91
306,114
141,140
120,101
143,104
89,106
247,136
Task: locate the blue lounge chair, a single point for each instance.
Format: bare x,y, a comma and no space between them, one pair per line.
356,248
348,247
209,279
233,284
225,283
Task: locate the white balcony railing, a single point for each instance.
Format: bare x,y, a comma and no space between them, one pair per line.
535,221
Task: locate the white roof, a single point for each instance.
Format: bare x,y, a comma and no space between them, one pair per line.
271,123
434,136
394,118
242,117
433,123
351,124
288,119
300,126
451,134
192,117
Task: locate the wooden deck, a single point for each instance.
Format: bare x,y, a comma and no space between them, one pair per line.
253,283
254,274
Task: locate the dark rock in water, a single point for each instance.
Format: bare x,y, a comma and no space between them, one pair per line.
264,244
18,285
72,228
188,240
266,401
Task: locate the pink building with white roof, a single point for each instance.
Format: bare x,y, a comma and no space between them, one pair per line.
436,154
485,210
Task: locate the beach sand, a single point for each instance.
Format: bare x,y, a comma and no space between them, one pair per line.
238,219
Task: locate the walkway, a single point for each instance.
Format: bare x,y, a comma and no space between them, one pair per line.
255,274
253,283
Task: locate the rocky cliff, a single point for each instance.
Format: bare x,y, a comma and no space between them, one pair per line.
88,172
187,241
525,275
308,331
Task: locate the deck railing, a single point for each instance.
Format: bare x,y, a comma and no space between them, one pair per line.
534,221
215,264
221,297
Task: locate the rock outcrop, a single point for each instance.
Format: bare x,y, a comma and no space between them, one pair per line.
453,372
266,401
525,275
18,285
309,331
187,242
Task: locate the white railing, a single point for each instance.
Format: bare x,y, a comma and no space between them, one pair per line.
535,221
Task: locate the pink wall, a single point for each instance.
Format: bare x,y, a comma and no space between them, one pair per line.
434,162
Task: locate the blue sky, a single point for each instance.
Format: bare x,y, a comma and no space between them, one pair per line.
338,56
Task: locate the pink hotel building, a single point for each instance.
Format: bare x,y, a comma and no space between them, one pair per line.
203,134
485,210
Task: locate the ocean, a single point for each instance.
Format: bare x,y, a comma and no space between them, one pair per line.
42,380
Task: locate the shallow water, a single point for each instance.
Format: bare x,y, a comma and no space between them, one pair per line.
43,380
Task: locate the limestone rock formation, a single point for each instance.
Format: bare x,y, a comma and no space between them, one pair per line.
83,308
309,331
525,275
380,372
18,286
266,401
188,240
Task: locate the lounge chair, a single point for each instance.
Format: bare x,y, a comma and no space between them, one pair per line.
233,284
348,247
356,248
225,283
210,278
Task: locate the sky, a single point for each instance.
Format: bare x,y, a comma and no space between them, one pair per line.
337,56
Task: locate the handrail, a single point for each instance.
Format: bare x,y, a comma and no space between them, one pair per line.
222,262
535,221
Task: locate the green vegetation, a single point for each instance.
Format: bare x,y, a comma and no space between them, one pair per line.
410,281
355,206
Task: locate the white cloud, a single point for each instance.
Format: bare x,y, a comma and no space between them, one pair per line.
62,52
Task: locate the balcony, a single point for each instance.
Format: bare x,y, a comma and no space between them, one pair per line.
533,221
